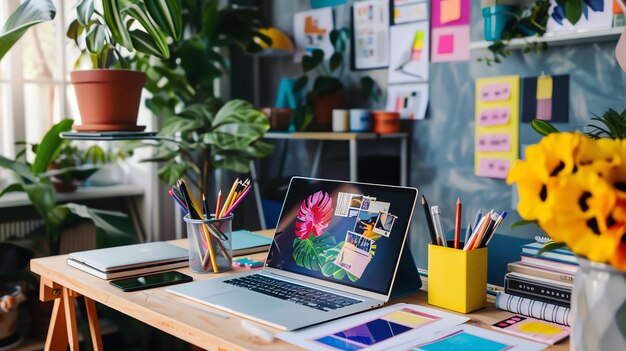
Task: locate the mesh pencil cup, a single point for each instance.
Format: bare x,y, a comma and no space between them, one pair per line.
210,244
457,279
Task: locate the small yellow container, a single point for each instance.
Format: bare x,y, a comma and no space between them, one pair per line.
457,279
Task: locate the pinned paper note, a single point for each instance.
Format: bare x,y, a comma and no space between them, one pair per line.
544,87
495,92
494,117
546,98
493,142
450,11
493,167
450,30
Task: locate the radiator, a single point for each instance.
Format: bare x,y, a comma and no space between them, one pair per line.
19,229
77,238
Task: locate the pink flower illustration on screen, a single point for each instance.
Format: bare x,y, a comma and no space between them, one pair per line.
314,215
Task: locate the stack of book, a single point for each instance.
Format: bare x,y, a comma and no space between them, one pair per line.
540,286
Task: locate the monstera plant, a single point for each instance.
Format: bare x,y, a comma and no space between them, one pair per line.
28,14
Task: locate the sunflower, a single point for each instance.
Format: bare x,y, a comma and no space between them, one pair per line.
600,155
581,216
553,156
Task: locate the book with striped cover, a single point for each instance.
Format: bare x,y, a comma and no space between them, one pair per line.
533,308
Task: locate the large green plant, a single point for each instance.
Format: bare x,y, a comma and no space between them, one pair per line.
28,14
211,134
34,180
124,26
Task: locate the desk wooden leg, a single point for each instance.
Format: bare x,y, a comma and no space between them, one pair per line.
70,318
94,326
57,330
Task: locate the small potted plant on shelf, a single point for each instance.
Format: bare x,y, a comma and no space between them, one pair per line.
574,187
108,99
109,162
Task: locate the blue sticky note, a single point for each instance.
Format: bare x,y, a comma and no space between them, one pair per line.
316,4
464,341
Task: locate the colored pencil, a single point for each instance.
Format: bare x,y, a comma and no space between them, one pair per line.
243,195
218,206
229,197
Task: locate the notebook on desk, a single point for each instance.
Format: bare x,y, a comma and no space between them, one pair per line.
129,260
246,242
335,252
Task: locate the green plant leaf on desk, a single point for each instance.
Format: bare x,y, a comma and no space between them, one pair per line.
551,246
28,14
523,222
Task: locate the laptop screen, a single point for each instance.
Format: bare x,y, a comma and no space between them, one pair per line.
346,233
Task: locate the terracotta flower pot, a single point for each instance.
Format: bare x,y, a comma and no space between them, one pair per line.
108,99
324,104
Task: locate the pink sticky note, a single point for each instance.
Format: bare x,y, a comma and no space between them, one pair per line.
446,44
493,167
495,92
544,109
494,117
493,143
441,15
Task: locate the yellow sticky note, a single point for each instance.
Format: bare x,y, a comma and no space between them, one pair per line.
406,318
540,328
450,11
544,88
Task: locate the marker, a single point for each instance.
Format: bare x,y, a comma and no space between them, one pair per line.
479,215
429,221
436,212
457,224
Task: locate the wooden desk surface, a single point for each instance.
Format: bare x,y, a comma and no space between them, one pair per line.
194,322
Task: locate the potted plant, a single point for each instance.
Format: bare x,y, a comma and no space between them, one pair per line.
326,92
108,99
212,134
573,186
109,163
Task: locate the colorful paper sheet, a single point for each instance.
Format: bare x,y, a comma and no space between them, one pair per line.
375,330
598,18
409,53
450,30
497,125
410,100
312,31
409,11
370,34
545,98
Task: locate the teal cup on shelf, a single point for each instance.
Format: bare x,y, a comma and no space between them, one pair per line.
210,244
360,120
496,19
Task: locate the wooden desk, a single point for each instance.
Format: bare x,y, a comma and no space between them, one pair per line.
175,315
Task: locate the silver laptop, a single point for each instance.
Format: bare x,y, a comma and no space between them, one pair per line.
335,252
126,260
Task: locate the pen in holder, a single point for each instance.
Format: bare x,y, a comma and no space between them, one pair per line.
210,244
457,279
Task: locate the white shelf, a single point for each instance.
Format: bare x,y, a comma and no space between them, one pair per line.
559,38
83,193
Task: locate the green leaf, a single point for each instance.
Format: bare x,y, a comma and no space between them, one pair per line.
310,62
49,146
167,15
143,42
573,10
28,14
300,84
13,188
336,60
302,117
240,112
233,163
96,39
543,127
84,11
111,226
115,23
311,251
21,169
522,223
74,31
551,246
139,12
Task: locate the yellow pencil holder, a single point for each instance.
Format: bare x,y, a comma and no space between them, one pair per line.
457,279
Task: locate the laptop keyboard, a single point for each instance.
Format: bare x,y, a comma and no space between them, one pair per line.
303,295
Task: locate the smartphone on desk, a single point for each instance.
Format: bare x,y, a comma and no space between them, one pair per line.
150,281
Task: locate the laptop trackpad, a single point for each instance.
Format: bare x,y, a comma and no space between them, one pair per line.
270,309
